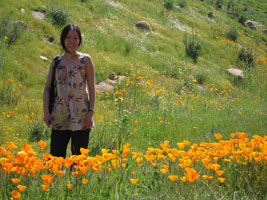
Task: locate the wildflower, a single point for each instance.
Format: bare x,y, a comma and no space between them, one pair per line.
183,179
133,181
136,122
205,176
21,187
148,123
218,136
15,194
173,178
84,181
194,127
220,172
181,145
20,85
15,109
97,92
15,180
45,187
11,112
191,174
169,123
6,39
69,186
135,130
115,121
221,179
42,144
191,108
47,179
26,116
11,145
84,151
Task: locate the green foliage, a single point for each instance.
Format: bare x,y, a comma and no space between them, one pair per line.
246,56
218,4
58,16
192,46
232,34
13,30
168,4
182,3
242,19
38,131
8,94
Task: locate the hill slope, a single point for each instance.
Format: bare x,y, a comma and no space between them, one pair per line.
190,98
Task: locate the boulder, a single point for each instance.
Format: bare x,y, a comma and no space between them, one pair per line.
250,24
38,15
22,10
211,15
143,25
236,72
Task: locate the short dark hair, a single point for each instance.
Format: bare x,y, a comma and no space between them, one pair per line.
65,32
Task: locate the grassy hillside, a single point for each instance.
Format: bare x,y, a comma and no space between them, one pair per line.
166,94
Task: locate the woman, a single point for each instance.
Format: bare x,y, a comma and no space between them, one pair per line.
71,116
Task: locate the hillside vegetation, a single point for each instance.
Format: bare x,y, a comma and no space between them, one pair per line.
174,83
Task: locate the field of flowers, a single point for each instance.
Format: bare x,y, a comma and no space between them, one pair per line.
237,163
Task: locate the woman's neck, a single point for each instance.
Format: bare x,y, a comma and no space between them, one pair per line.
71,55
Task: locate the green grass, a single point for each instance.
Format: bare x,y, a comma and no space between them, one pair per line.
170,85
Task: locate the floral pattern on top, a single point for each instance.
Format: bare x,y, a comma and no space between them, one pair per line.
72,102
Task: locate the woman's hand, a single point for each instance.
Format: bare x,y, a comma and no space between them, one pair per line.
89,121
47,119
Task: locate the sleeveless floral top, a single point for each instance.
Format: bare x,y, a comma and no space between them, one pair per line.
72,103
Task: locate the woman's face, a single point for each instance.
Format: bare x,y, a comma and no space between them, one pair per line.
72,41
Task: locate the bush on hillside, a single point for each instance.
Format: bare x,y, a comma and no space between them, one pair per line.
168,4
58,16
232,34
38,132
182,3
247,57
192,46
11,30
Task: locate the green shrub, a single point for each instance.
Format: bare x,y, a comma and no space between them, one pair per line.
192,46
242,19
38,131
11,30
200,78
182,3
8,94
168,4
218,5
232,34
58,16
247,57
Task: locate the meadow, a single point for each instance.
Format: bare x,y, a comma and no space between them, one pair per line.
174,128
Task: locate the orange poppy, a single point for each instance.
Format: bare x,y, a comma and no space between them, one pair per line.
15,180
173,178
133,181
21,187
15,194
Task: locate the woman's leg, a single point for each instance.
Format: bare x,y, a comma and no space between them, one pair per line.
59,142
79,139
